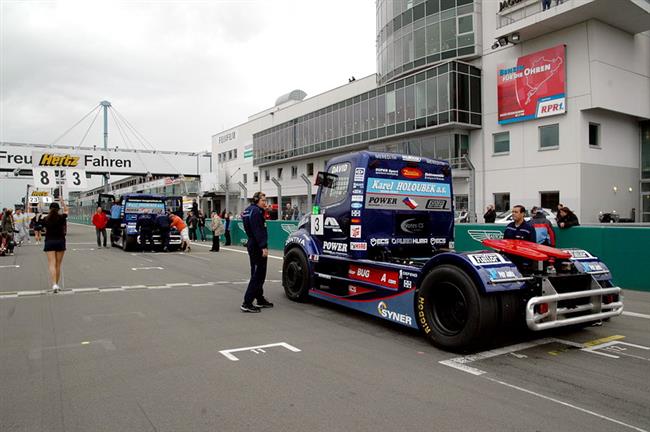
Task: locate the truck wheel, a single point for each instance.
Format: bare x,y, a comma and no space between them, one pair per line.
451,311
128,243
295,275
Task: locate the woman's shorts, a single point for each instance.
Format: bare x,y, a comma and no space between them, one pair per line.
54,245
185,234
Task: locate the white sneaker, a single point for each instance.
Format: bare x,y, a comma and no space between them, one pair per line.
55,288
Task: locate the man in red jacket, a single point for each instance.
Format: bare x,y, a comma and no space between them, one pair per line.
100,220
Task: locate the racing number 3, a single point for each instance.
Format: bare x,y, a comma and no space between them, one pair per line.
76,178
317,224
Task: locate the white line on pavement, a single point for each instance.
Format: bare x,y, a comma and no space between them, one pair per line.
10,266
636,314
147,268
255,349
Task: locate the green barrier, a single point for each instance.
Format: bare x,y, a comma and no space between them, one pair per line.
278,232
623,249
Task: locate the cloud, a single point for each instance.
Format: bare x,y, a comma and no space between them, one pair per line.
178,71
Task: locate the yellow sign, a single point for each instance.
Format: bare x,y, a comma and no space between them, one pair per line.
54,160
40,193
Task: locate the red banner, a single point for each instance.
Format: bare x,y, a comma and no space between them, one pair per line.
388,279
535,87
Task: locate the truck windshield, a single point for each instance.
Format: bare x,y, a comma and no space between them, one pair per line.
339,189
155,207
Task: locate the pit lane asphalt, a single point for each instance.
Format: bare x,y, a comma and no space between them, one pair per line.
140,350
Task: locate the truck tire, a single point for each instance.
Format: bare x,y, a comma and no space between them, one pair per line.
451,311
129,243
296,279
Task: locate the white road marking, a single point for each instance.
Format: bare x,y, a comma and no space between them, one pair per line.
37,353
612,347
548,398
636,314
83,249
84,290
143,257
132,286
89,318
177,284
10,266
255,349
147,268
30,293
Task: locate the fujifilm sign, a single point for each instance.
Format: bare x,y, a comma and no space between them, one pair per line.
25,157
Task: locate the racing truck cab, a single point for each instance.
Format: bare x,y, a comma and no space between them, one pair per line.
380,240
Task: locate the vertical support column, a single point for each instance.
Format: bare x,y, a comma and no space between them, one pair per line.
306,180
279,186
106,105
243,197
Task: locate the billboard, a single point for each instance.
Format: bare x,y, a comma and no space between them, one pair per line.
534,87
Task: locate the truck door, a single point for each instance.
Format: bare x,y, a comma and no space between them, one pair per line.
335,207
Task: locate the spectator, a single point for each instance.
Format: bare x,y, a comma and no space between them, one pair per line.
227,217
181,227
145,226
195,208
100,220
296,213
519,228
37,226
490,214
21,227
192,223
55,231
7,229
287,213
217,230
566,218
162,223
546,4
543,229
258,252
559,207
201,223
115,222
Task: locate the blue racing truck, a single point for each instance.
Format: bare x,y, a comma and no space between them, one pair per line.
136,204
380,240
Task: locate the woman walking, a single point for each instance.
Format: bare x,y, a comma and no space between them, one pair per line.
37,222
55,225
217,230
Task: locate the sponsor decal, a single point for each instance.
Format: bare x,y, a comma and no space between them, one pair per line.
578,254
437,241
357,191
373,201
358,186
383,310
505,4
487,259
313,258
379,242
437,204
433,176
355,213
387,156
341,168
58,160
356,205
534,87
40,193
298,240
385,278
595,267
359,174
355,232
409,241
412,224
410,202
421,316
409,274
409,158
480,235
357,290
335,247
408,187
332,224
498,274
411,172
358,246
229,136
289,228
357,198
387,172
355,220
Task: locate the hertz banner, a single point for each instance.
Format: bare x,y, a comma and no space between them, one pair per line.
535,87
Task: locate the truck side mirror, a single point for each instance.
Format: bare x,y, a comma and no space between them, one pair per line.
325,179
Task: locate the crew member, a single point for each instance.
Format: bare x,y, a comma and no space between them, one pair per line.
115,222
519,228
100,220
257,245
181,227
145,226
162,222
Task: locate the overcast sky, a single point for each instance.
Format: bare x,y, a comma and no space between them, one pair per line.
178,71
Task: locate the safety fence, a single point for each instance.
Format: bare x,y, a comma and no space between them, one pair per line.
625,250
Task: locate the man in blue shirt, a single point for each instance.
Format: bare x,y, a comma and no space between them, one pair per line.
258,252
520,229
115,222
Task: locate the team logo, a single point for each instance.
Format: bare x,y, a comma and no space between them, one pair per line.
384,312
331,223
480,235
289,228
356,205
411,172
358,246
53,160
355,213
355,231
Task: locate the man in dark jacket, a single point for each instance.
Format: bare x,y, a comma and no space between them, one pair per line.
519,228
543,228
145,226
490,214
162,223
257,245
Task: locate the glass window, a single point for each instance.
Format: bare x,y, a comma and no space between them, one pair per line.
463,91
339,189
432,96
399,105
433,38
448,34
409,102
549,136
501,142
372,108
442,147
645,150
502,202
294,171
465,24
310,169
407,47
549,200
420,43
357,117
381,110
443,92
349,122
279,173
267,175
421,99
398,52
256,177
245,176
461,145
390,108
364,115
594,134
475,94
